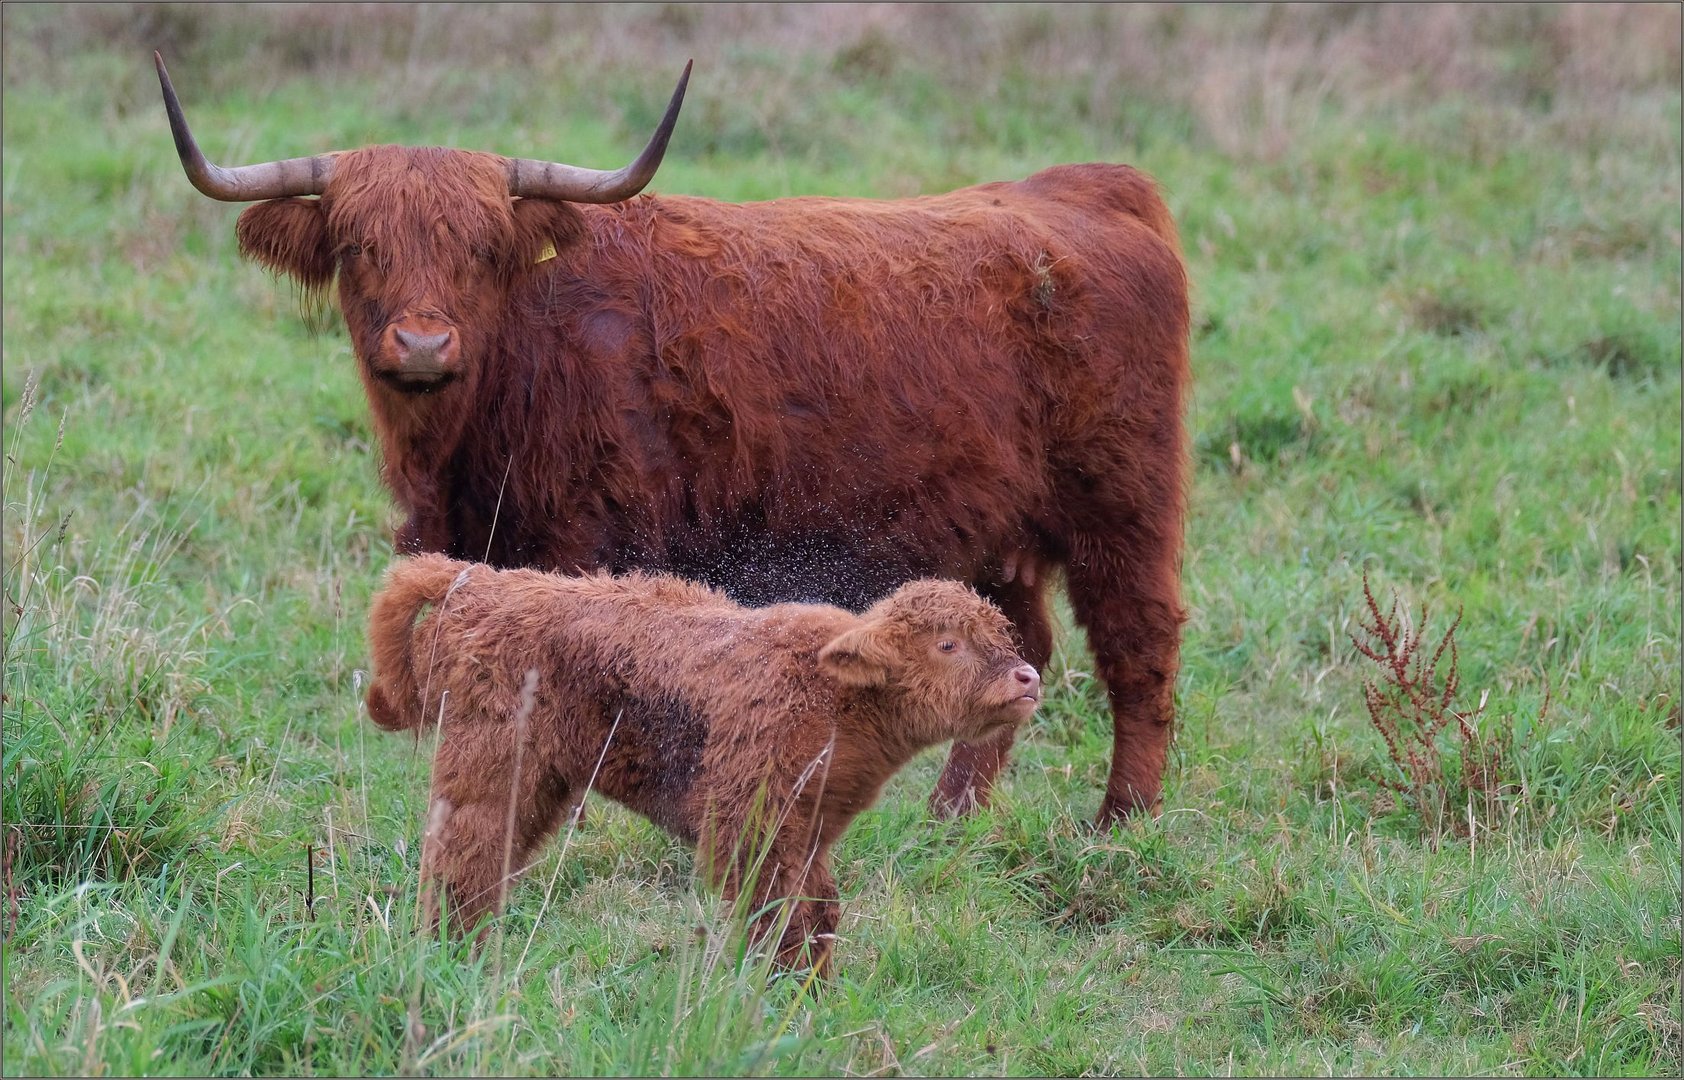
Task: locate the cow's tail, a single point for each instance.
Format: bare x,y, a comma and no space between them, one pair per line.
395,695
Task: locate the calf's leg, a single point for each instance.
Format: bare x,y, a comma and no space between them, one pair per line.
810,936
474,846
806,896
465,853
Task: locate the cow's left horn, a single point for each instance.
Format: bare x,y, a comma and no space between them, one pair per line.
246,183
534,179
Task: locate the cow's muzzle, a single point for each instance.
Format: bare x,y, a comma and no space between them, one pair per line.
418,354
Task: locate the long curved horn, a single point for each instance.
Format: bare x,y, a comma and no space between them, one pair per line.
533,179
247,183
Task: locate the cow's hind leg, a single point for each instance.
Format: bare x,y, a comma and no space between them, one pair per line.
1125,591
971,767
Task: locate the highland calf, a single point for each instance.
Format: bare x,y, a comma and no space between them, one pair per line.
757,734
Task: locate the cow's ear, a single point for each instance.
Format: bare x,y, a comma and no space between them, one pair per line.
289,236
543,228
862,656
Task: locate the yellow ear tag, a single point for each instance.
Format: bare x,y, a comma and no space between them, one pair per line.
547,254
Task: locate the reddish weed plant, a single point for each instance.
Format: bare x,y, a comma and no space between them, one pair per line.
1413,703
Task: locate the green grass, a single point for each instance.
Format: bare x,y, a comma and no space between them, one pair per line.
1437,273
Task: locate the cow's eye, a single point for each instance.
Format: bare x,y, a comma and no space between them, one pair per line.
353,250
948,646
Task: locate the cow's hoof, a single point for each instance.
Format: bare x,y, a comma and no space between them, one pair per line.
1114,811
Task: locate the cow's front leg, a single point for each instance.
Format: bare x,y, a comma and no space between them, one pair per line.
427,527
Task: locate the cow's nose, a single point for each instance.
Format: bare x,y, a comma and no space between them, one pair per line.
1028,676
424,352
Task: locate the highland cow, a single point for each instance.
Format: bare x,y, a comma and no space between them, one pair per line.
801,399
756,734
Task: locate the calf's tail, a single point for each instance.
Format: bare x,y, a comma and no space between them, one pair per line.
394,696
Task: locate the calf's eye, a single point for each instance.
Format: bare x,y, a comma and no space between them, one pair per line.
948,646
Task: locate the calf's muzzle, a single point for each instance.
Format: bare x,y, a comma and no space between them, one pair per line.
1028,681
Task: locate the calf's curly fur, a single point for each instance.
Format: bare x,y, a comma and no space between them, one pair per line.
757,734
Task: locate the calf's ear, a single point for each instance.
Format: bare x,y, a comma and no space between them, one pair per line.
859,657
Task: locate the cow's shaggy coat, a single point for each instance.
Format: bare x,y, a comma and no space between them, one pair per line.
756,733
807,398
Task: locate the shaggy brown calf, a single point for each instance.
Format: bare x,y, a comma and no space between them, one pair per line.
740,730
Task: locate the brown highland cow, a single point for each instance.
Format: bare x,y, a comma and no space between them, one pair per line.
805,399
749,732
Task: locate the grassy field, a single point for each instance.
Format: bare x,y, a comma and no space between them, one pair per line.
1436,255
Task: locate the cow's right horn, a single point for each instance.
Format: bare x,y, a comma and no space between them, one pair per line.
246,183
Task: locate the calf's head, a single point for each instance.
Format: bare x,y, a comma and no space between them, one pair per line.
946,658
426,242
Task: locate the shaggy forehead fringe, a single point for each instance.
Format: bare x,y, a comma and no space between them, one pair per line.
371,182
940,605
